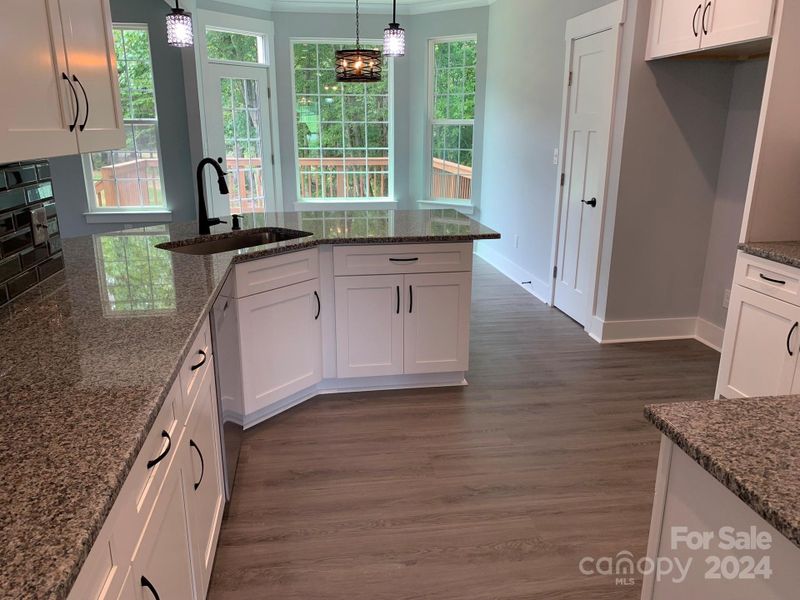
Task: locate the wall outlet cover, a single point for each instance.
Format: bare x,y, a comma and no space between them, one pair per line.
39,226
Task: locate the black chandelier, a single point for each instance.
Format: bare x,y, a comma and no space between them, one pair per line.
358,65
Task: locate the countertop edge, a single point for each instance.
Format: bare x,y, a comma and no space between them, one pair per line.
723,475
755,249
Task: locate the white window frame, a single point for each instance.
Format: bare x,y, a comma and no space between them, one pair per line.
134,214
432,202
315,204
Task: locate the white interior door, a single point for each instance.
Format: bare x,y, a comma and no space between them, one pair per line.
588,124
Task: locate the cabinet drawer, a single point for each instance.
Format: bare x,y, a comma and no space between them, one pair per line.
194,368
402,258
101,576
138,494
276,272
768,277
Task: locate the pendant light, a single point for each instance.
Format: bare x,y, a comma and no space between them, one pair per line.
179,28
358,65
394,36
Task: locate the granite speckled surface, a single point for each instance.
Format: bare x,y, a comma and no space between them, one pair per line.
787,253
87,359
750,445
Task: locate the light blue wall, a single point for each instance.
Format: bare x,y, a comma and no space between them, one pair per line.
67,172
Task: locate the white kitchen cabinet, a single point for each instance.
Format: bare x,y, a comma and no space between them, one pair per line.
162,565
762,344
685,26
369,325
205,497
436,328
281,339
65,93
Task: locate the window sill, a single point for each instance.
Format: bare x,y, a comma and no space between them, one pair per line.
466,208
321,205
126,216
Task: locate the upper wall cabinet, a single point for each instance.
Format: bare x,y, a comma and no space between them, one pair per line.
684,26
65,93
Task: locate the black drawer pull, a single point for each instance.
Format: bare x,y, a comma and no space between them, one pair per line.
319,306
403,260
86,99
411,299
146,584
705,23
66,78
202,464
694,20
163,455
771,280
202,362
789,339
398,299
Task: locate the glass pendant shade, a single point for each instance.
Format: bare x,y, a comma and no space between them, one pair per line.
359,65
394,40
180,33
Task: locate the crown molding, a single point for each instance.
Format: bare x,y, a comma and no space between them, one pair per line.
374,7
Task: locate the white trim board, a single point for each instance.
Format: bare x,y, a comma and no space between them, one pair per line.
538,288
377,7
651,330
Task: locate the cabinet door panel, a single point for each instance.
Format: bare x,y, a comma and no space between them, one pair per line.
281,340
205,499
735,21
759,336
163,557
675,27
90,53
437,323
369,325
37,104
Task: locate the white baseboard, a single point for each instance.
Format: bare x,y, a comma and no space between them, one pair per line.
540,289
363,384
651,330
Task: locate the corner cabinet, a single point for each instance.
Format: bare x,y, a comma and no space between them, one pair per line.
686,26
762,336
65,93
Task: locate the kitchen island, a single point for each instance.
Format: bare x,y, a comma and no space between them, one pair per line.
90,359
726,518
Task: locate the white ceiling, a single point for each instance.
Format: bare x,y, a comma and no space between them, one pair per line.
405,7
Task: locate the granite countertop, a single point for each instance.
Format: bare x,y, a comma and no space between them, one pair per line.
750,445
787,253
87,359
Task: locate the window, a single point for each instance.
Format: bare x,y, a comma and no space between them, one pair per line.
135,277
232,46
452,109
343,131
131,178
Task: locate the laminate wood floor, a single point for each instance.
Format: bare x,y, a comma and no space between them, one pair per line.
493,491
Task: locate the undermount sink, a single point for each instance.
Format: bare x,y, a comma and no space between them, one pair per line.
233,241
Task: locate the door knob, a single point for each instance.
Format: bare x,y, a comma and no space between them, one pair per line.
592,202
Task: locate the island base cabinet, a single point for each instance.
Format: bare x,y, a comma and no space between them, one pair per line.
436,328
281,340
761,347
205,498
162,565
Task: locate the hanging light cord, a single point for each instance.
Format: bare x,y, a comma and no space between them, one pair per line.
358,32
394,12
177,6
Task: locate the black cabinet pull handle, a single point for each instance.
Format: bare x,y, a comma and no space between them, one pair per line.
705,14
694,20
202,464
163,455
146,584
202,362
86,98
77,104
398,299
789,339
319,306
403,260
771,280
411,299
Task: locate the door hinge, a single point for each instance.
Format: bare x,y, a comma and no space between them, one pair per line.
272,158
563,179
555,272
269,93
569,83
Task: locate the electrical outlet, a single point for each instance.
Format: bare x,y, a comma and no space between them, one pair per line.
726,299
516,241
555,157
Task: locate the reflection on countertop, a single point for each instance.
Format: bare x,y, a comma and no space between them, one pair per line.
87,359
